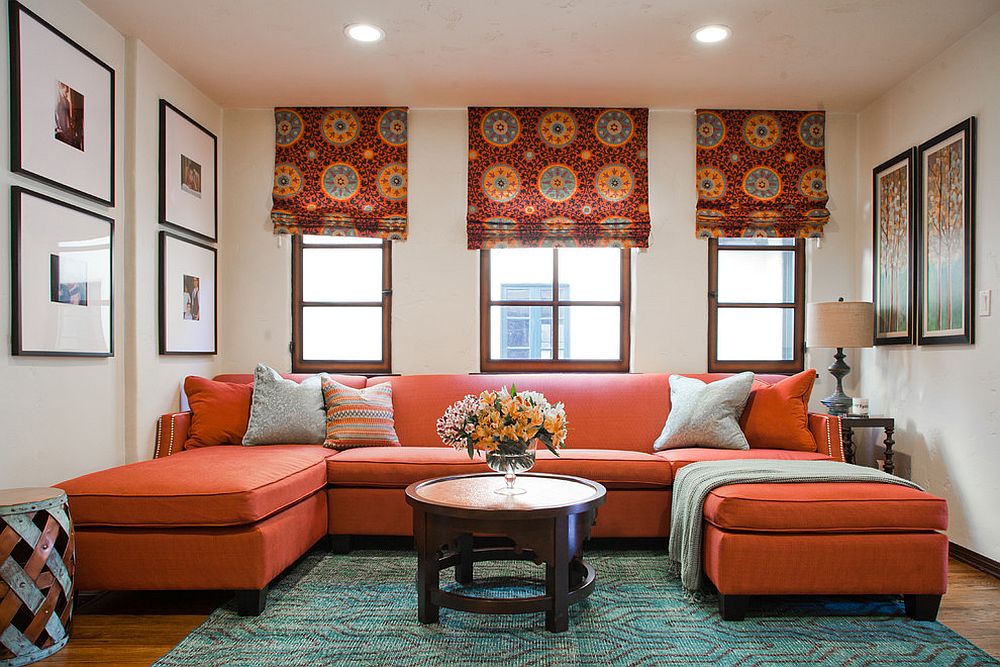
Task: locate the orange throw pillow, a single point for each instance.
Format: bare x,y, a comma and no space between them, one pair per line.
777,416
220,412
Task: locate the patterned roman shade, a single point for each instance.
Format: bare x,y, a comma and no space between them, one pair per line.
340,171
557,177
761,173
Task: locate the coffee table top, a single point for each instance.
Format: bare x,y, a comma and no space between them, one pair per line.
475,493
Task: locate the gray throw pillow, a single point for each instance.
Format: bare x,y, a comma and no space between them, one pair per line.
284,411
706,415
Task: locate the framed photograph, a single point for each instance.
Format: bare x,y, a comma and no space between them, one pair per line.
188,174
188,293
62,109
61,278
946,170
893,284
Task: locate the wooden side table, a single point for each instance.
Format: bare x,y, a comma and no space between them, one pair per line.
37,562
850,422
547,524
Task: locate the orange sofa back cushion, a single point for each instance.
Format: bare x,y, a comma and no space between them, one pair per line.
356,381
777,415
605,411
219,412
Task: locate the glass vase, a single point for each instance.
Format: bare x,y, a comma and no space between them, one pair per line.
510,459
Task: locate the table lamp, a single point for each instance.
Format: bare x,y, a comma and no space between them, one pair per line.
840,324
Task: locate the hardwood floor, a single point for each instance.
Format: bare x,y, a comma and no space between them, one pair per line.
132,629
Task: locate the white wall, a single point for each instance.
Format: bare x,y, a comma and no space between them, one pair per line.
62,416
435,323
946,399
151,380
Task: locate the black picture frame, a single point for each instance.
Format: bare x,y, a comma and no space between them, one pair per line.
18,149
164,316
170,218
965,335
17,300
908,160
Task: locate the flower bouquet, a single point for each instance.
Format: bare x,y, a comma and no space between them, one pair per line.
506,425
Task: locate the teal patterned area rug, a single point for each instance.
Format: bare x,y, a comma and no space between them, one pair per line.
361,609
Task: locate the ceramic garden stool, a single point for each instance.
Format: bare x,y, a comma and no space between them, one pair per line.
37,560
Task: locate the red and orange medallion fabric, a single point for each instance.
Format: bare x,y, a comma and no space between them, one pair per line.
761,173
557,177
340,171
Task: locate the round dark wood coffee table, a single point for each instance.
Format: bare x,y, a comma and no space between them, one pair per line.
547,524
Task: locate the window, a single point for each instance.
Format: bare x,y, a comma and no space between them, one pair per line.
341,304
756,305
554,309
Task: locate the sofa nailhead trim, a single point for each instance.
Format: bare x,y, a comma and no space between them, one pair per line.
159,434
170,448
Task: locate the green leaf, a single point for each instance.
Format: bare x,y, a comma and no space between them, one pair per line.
472,450
513,390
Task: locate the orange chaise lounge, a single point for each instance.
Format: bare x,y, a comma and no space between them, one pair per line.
234,517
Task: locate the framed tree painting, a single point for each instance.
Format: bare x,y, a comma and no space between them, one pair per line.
188,174
946,168
188,293
61,270
62,109
893,238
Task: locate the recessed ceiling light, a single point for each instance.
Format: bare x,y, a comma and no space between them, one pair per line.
364,32
711,34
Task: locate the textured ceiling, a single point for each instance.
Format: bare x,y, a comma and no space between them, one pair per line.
834,54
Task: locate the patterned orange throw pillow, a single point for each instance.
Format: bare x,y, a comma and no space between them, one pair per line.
777,416
358,417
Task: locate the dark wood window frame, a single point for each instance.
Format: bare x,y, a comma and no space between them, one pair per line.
797,362
490,365
299,365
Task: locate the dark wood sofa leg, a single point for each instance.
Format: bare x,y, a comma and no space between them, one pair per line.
251,602
733,607
338,544
922,607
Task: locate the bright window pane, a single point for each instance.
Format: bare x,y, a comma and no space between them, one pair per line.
521,274
345,333
335,274
756,277
313,239
521,332
756,334
590,274
756,242
590,332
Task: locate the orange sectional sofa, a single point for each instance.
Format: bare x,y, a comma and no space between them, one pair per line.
234,517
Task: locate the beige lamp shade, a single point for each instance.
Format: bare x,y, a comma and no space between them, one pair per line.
840,324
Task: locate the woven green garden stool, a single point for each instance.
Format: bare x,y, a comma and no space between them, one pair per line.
37,561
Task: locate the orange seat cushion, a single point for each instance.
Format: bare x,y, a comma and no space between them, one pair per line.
776,416
825,507
220,412
615,469
398,467
678,458
211,486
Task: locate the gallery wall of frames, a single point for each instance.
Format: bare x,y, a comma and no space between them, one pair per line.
923,236
62,134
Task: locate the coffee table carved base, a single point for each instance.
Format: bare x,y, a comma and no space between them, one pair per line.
550,537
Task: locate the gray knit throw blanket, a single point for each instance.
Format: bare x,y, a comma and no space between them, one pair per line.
695,481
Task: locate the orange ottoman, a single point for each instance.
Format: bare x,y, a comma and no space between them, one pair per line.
834,538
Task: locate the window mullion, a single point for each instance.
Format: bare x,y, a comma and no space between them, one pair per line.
554,305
